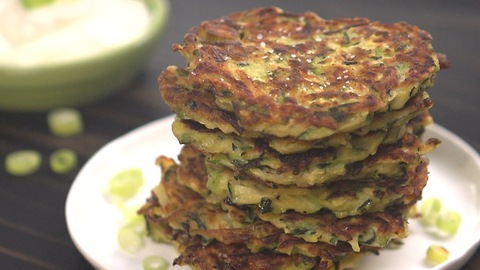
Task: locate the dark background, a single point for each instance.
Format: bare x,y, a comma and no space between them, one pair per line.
33,232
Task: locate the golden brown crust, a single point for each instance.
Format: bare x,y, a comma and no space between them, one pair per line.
202,231
189,104
296,169
276,70
219,256
201,107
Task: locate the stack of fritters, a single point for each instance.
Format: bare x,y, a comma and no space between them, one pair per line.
302,147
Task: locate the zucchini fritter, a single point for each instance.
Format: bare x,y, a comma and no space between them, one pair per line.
342,198
298,75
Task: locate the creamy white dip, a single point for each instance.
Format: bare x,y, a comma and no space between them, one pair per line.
67,30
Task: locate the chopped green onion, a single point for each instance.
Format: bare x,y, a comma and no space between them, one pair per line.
31,4
63,161
65,122
432,214
154,263
138,225
22,162
449,222
131,236
437,254
430,211
129,239
126,183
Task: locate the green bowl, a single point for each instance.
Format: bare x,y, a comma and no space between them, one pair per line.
83,81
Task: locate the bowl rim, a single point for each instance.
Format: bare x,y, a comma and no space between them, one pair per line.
159,13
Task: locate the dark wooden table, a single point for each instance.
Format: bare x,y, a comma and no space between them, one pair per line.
33,231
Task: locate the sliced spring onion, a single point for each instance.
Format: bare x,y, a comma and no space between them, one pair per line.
129,239
430,210
65,122
125,184
154,263
63,161
138,225
444,220
22,162
131,235
449,222
437,254
31,4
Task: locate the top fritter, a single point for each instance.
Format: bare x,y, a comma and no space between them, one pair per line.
269,72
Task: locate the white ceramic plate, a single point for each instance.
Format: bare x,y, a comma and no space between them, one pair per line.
93,220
